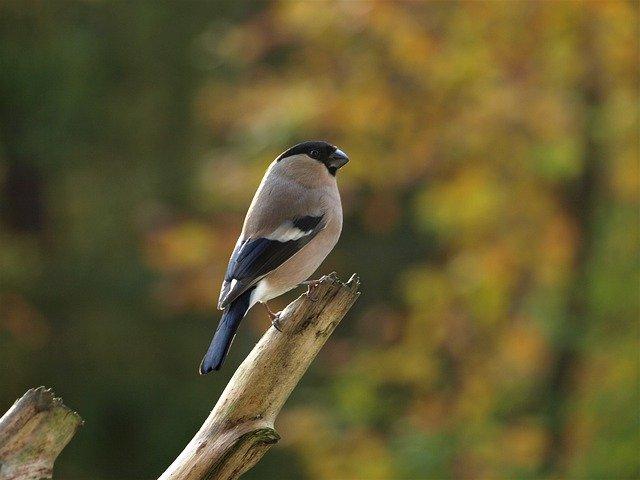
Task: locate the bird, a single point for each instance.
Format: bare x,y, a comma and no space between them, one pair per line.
292,224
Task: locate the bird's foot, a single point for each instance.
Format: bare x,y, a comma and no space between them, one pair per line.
275,318
311,286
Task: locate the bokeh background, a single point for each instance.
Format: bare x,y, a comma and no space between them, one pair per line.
491,209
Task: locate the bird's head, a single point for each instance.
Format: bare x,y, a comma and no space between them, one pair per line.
329,155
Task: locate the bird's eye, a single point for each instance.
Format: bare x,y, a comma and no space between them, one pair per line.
314,153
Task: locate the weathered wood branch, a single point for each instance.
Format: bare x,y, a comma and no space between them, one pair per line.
33,432
240,429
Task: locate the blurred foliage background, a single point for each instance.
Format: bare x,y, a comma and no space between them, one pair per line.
491,209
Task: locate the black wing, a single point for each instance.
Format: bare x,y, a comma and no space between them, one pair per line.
253,258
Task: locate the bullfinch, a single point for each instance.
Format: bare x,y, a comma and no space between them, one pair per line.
292,224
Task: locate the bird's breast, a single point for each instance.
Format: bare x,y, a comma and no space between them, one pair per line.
302,265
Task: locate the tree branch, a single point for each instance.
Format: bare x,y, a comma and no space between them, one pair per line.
240,430
33,432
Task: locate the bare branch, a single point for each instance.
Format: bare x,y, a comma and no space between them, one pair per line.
33,432
240,429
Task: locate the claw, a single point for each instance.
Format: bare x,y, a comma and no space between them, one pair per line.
276,322
311,286
275,317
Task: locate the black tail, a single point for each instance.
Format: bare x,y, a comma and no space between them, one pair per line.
226,331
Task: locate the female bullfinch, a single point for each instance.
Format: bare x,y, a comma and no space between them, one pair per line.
292,224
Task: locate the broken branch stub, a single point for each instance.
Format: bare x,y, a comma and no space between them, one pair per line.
33,432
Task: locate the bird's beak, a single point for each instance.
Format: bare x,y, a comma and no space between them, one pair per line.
337,159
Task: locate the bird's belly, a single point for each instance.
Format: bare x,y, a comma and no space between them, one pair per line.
296,270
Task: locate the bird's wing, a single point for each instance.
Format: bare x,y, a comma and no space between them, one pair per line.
253,258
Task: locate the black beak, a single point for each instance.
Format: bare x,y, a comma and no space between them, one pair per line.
337,159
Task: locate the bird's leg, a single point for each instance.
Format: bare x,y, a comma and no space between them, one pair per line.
275,317
311,285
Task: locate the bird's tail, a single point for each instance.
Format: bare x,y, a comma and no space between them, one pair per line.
226,331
